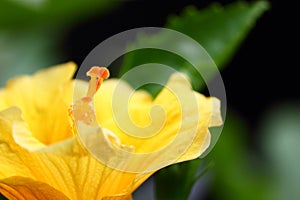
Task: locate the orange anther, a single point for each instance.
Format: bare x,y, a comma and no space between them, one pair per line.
101,72
97,75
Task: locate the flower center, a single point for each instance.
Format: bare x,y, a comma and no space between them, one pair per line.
82,109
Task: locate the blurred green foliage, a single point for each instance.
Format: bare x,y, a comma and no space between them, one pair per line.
25,52
240,173
280,136
18,15
237,173
31,31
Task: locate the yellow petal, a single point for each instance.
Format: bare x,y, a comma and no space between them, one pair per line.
116,89
43,103
209,116
21,188
172,128
215,110
65,166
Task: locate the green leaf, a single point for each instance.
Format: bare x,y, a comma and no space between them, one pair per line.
220,30
176,181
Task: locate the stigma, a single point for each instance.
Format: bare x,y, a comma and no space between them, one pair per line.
97,74
83,109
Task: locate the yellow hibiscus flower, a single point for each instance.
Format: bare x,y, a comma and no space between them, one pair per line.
48,152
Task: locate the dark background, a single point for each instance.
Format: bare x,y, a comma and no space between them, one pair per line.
261,74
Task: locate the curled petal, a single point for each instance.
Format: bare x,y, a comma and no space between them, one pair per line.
42,102
21,188
65,166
